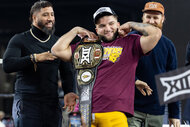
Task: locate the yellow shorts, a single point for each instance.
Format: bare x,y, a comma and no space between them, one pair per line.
109,119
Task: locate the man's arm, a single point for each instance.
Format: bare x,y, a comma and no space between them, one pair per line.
14,60
62,48
173,109
150,34
67,77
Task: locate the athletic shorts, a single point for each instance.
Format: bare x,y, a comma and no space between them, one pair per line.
109,119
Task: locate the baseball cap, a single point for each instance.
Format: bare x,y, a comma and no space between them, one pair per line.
154,6
102,11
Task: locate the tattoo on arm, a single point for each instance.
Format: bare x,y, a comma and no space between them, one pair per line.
140,27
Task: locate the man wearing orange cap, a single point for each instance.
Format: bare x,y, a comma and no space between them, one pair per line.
148,112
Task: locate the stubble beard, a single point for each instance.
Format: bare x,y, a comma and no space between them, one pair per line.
104,39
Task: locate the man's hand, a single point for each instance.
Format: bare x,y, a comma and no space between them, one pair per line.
143,85
70,101
124,29
174,122
44,56
82,32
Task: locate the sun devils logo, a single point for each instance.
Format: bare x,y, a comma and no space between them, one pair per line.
174,85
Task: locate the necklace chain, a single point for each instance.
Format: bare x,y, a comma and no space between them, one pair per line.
38,38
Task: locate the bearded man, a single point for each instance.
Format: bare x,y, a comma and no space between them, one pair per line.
113,90
36,102
163,58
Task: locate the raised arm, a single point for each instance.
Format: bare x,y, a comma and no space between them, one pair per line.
151,34
62,48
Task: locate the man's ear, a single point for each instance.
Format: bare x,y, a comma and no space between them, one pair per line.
34,16
96,30
142,17
163,18
118,23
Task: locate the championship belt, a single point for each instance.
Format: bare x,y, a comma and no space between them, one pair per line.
86,58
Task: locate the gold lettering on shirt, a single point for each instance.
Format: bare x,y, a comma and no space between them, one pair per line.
112,53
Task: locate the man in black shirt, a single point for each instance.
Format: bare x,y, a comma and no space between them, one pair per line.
28,53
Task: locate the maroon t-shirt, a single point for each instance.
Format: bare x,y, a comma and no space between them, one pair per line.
114,86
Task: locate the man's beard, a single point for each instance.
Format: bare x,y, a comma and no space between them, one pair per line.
160,25
46,30
104,39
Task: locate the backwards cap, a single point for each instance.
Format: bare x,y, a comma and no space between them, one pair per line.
102,11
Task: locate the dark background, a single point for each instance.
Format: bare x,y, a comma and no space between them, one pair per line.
69,13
